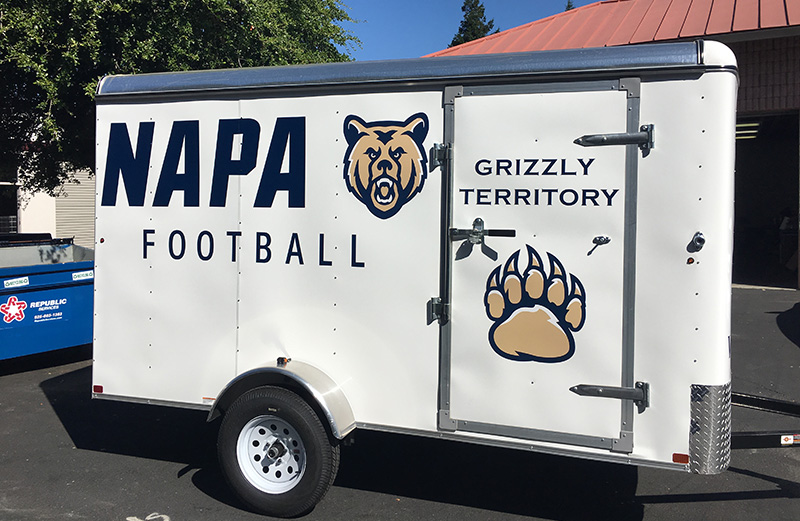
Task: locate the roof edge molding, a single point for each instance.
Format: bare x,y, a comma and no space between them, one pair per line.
439,71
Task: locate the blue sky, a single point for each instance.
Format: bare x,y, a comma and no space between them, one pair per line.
413,28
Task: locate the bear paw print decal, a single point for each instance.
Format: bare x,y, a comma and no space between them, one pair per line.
534,313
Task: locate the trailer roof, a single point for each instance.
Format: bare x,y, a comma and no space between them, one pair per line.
653,56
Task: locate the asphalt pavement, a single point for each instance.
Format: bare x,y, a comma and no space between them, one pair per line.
65,456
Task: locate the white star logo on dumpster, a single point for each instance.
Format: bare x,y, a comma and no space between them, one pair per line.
13,310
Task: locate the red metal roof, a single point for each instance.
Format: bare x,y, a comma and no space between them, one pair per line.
622,22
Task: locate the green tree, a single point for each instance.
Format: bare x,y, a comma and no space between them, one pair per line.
569,6
53,52
473,25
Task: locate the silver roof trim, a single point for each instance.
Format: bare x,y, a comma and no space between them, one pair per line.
633,57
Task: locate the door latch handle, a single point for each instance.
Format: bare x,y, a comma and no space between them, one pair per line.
600,240
477,235
645,139
639,395
697,243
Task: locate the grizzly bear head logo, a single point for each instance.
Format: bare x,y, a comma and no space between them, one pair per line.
385,163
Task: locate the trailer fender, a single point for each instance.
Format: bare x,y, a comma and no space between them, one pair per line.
316,387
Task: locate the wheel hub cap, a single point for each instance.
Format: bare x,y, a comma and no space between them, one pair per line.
271,454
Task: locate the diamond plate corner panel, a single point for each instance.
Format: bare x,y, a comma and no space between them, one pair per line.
710,430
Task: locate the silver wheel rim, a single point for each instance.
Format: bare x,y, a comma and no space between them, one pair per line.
271,454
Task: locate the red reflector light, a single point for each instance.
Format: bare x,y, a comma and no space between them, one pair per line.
680,458
98,389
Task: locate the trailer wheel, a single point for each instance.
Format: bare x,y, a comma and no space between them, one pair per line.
275,454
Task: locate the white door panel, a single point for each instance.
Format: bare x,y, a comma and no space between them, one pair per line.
547,313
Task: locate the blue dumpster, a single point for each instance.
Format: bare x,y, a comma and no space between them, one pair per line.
47,303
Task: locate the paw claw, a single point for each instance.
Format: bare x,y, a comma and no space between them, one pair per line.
534,275
534,260
493,282
556,292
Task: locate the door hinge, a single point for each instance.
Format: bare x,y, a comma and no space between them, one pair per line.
645,138
640,394
439,154
435,310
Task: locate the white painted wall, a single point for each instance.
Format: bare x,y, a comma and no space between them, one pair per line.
37,213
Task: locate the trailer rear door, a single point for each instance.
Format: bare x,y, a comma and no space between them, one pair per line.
550,308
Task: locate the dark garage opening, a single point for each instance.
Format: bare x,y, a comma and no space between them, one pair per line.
766,191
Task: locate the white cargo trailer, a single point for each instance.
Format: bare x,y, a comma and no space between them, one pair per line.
524,250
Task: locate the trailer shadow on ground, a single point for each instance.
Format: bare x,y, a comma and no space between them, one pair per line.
490,478
46,359
139,430
476,476
487,478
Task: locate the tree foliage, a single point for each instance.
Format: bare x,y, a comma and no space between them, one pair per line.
473,25
569,6
53,52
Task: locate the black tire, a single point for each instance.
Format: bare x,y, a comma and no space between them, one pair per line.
275,453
